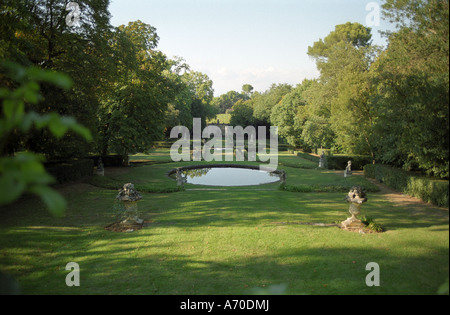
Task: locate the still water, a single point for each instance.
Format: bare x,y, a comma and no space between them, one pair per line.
227,176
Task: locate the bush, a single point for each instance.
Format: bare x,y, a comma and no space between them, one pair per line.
67,171
428,189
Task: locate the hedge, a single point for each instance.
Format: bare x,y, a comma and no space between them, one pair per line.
339,162
428,189
66,171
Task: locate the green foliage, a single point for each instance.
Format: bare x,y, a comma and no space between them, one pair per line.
36,33
24,172
132,113
285,115
343,59
428,189
372,225
412,81
343,37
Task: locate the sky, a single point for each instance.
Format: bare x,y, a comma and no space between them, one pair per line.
257,42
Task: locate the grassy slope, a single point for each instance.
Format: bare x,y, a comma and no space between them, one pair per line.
223,242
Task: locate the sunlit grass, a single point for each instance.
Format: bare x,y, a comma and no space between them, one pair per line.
226,241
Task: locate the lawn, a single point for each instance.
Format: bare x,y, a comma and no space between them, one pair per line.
223,241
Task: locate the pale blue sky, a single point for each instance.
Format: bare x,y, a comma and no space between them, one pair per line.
235,42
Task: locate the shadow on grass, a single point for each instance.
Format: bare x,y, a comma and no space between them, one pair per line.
142,263
223,242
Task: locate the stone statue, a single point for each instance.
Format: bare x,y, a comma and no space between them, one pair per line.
348,169
323,160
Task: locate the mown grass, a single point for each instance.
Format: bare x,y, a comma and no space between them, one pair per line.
226,241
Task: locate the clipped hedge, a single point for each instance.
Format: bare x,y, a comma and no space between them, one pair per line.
326,151
308,156
339,162
428,189
67,171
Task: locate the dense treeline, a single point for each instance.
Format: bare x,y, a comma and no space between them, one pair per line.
391,104
124,90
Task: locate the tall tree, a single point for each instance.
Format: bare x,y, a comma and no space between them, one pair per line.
412,78
202,94
37,33
284,114
132,115
344,58
247,90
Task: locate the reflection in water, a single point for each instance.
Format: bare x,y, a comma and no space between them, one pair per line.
228,176
198,172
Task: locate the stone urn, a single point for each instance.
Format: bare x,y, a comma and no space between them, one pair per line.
130,197
356,197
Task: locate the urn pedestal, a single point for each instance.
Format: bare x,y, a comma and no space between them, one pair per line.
131,213
130,197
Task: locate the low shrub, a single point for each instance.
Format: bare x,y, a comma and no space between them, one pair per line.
372,225
338,187
428,189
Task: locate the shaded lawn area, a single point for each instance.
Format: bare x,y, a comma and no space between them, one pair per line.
222,242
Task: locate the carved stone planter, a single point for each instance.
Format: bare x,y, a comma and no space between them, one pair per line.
356,197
